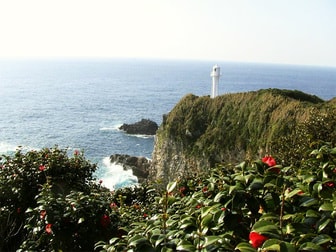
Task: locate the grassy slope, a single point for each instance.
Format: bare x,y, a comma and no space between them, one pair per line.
236,126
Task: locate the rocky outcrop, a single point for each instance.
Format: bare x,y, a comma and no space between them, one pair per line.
201,132
139,165
143,127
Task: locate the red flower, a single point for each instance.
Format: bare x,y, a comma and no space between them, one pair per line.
105,221
113,205
76,152
182,189
223,209
145,215
329,184
269,160
100,181
48,228
257,239
205,189
41,167
43,214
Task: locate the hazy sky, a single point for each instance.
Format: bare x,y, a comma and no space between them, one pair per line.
276,31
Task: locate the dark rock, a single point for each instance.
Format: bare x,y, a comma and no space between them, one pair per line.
139,165
143,127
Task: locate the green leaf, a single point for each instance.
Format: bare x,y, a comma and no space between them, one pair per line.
327,206
263,226
310,246
323,224
256,184
206,220
309,202
209,240
209,209
322,239
219,196
293,193
137,240
185,246
157,239
113,240
271,247
333,151
171,186
245,247
286,247
205,211
312,213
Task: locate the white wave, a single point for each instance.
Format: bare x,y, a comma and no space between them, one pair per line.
141,136
116,177
7,148
110,128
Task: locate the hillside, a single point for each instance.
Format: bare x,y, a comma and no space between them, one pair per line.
200,132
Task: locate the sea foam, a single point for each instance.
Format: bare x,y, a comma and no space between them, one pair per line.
115,176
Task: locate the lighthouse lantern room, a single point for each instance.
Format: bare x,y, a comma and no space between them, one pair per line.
215,74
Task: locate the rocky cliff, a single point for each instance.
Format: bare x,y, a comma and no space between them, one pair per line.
200,132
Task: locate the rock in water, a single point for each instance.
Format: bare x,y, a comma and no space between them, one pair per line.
143,127
139,165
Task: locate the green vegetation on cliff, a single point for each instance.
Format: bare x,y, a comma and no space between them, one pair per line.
233,127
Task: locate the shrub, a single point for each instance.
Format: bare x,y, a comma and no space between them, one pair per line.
243,208
50,201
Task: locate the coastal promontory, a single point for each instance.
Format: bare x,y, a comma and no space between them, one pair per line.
200,132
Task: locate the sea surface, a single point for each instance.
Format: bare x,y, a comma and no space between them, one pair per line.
80,103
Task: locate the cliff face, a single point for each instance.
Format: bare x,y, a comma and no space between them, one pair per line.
200,132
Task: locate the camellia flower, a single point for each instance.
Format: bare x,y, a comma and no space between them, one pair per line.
41,167
105,221
329,184
48,228
269,160
182,190
76,152
257,240
198,206
43,214
113,205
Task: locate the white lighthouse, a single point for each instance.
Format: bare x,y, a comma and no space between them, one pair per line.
215,80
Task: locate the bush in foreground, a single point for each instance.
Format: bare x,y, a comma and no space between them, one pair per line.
51,202
253,206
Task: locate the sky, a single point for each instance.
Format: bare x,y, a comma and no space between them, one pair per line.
270,31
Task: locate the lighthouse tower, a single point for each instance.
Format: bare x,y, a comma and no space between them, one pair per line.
215,80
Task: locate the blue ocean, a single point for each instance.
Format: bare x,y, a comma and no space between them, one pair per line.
80,103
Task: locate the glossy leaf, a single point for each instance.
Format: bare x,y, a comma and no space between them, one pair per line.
171,186
245,247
